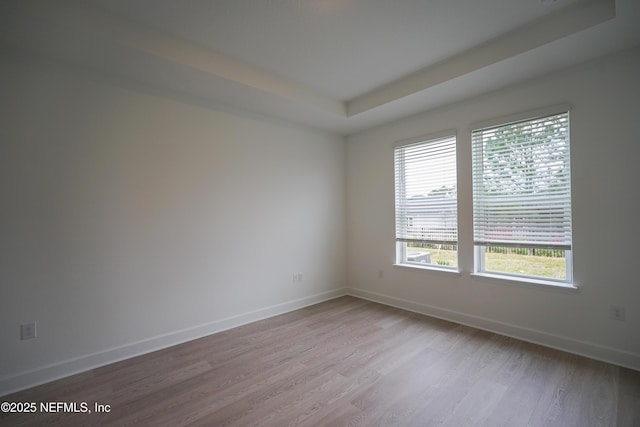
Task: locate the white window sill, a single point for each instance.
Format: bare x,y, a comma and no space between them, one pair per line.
435,269
526,281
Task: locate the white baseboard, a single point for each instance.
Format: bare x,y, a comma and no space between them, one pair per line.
84,363
570,345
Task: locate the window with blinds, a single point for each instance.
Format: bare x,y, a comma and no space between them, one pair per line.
522,197
426,203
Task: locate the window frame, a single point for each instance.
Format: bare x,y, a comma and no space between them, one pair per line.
401,246
479,258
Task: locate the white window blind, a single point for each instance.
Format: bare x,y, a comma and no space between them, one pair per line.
425,192
522,184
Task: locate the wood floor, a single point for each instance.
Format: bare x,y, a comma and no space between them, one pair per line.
346,362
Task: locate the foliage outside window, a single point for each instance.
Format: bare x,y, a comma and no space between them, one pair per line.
522,198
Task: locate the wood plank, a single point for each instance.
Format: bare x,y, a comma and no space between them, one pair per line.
347,362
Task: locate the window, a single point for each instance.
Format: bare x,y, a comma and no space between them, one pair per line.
522,198
426,202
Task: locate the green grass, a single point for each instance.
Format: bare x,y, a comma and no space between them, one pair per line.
439,257
528,265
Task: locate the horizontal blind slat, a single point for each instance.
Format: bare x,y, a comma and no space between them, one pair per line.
425,191
521,183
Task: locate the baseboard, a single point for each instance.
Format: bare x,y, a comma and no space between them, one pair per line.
570,345
84,363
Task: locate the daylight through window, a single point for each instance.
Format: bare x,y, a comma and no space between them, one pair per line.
426,202
522,198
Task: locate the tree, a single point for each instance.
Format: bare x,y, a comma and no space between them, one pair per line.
521,178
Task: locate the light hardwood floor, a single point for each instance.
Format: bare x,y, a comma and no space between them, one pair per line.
347,362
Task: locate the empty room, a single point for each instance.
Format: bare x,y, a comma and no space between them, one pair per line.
319,212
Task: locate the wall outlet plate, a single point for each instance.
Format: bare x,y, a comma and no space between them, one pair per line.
28,331
616,312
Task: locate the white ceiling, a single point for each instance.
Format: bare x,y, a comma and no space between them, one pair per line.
340,48
337,65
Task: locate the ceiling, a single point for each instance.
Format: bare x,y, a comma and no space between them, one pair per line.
336,65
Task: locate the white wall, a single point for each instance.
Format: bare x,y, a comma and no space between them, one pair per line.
605,96
131,221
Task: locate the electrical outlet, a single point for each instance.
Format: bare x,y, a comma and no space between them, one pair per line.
380,274
297,277
616,312
28,331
